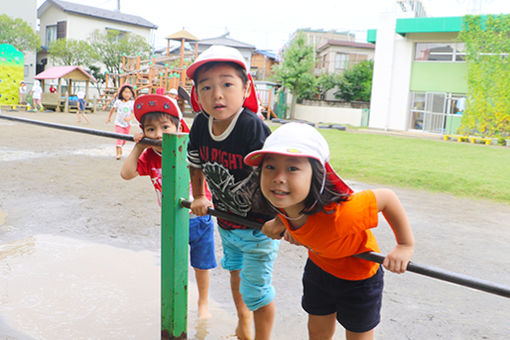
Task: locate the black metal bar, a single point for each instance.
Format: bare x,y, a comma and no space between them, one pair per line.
82,130
226,216
441,274
429,271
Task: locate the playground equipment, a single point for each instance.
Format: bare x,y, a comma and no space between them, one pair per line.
168,71
60,99
11,74
266,97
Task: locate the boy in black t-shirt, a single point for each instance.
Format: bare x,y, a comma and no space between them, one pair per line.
227,130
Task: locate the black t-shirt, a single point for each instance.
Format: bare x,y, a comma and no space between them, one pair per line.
221,160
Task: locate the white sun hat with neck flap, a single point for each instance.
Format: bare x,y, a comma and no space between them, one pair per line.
220,53
299,140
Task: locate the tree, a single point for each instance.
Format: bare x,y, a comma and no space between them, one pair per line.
18,33
110,46
355,84
487,110
296,70
95,71
70,52
325,82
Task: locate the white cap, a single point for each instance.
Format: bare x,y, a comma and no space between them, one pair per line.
217,53
173,91
299,140
220,53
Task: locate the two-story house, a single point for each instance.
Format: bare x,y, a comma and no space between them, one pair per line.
62,19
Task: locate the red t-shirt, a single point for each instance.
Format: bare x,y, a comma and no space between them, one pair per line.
332,237
149,164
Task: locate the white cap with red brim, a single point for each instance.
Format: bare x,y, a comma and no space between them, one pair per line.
299,140
219,53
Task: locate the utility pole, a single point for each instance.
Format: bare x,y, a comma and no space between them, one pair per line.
118,5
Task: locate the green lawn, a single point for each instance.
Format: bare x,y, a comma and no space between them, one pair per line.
461,169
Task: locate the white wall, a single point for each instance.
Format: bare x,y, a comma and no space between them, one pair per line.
80,27
328,114
26,10
392,72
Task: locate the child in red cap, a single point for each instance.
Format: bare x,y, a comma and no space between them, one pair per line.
159,114
225,131
321,212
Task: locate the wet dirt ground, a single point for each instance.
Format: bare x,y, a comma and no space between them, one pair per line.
79,252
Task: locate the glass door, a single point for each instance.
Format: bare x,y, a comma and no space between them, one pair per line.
434,117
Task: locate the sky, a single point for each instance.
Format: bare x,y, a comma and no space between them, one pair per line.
268,24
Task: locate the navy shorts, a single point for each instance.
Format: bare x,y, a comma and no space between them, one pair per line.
81,102
201,242
357,303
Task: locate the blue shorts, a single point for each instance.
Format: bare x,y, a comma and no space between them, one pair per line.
357,303
201,242
81,102
253,253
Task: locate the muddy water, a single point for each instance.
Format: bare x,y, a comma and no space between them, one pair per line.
61,288
57,286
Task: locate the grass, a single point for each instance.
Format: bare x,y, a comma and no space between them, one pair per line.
461,169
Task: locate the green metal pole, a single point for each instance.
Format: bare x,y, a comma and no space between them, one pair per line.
174,238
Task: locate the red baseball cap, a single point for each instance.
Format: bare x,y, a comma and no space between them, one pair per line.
148,103
219,53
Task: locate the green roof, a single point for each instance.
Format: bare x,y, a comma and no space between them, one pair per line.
371,36
425,25
429,25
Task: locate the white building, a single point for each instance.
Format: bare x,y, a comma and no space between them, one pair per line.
61,19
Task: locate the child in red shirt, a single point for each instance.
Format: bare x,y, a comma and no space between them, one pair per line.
159,114
318,210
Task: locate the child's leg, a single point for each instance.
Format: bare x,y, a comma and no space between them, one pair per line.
85,117
233,261
202,278
359,336
245,316
118,150
259,253
321,326
119,143
264,319
202,258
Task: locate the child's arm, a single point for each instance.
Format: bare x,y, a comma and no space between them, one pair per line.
110,115
129,167
274,228
200,202
393,211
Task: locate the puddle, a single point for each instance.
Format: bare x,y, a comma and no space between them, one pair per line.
53,286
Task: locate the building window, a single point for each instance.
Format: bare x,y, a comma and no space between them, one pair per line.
341,61
51,34
436,112
119,34
355,59
440,52
460,52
